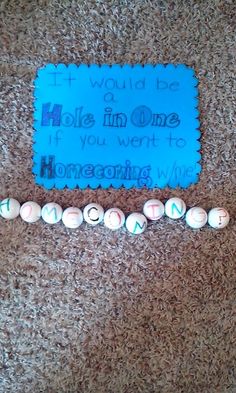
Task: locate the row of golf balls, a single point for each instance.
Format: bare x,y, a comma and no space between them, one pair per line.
114,218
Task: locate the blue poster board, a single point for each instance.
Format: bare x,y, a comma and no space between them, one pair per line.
120,126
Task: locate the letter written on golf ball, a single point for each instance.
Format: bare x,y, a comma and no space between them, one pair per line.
93,213
30,212
114,218
175,208
196,217
51,213
9,208
136,223
153,209
72,217
218,217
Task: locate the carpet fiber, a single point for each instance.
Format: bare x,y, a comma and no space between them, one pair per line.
94,311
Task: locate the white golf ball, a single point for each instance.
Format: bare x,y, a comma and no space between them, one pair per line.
9,208
93,213
30,212
153,209
72,217
114,218
175,208
196,217
218,217
51,213
136,223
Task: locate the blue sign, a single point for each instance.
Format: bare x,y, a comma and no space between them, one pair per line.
120,126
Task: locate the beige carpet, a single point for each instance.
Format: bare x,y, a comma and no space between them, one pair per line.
94,311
